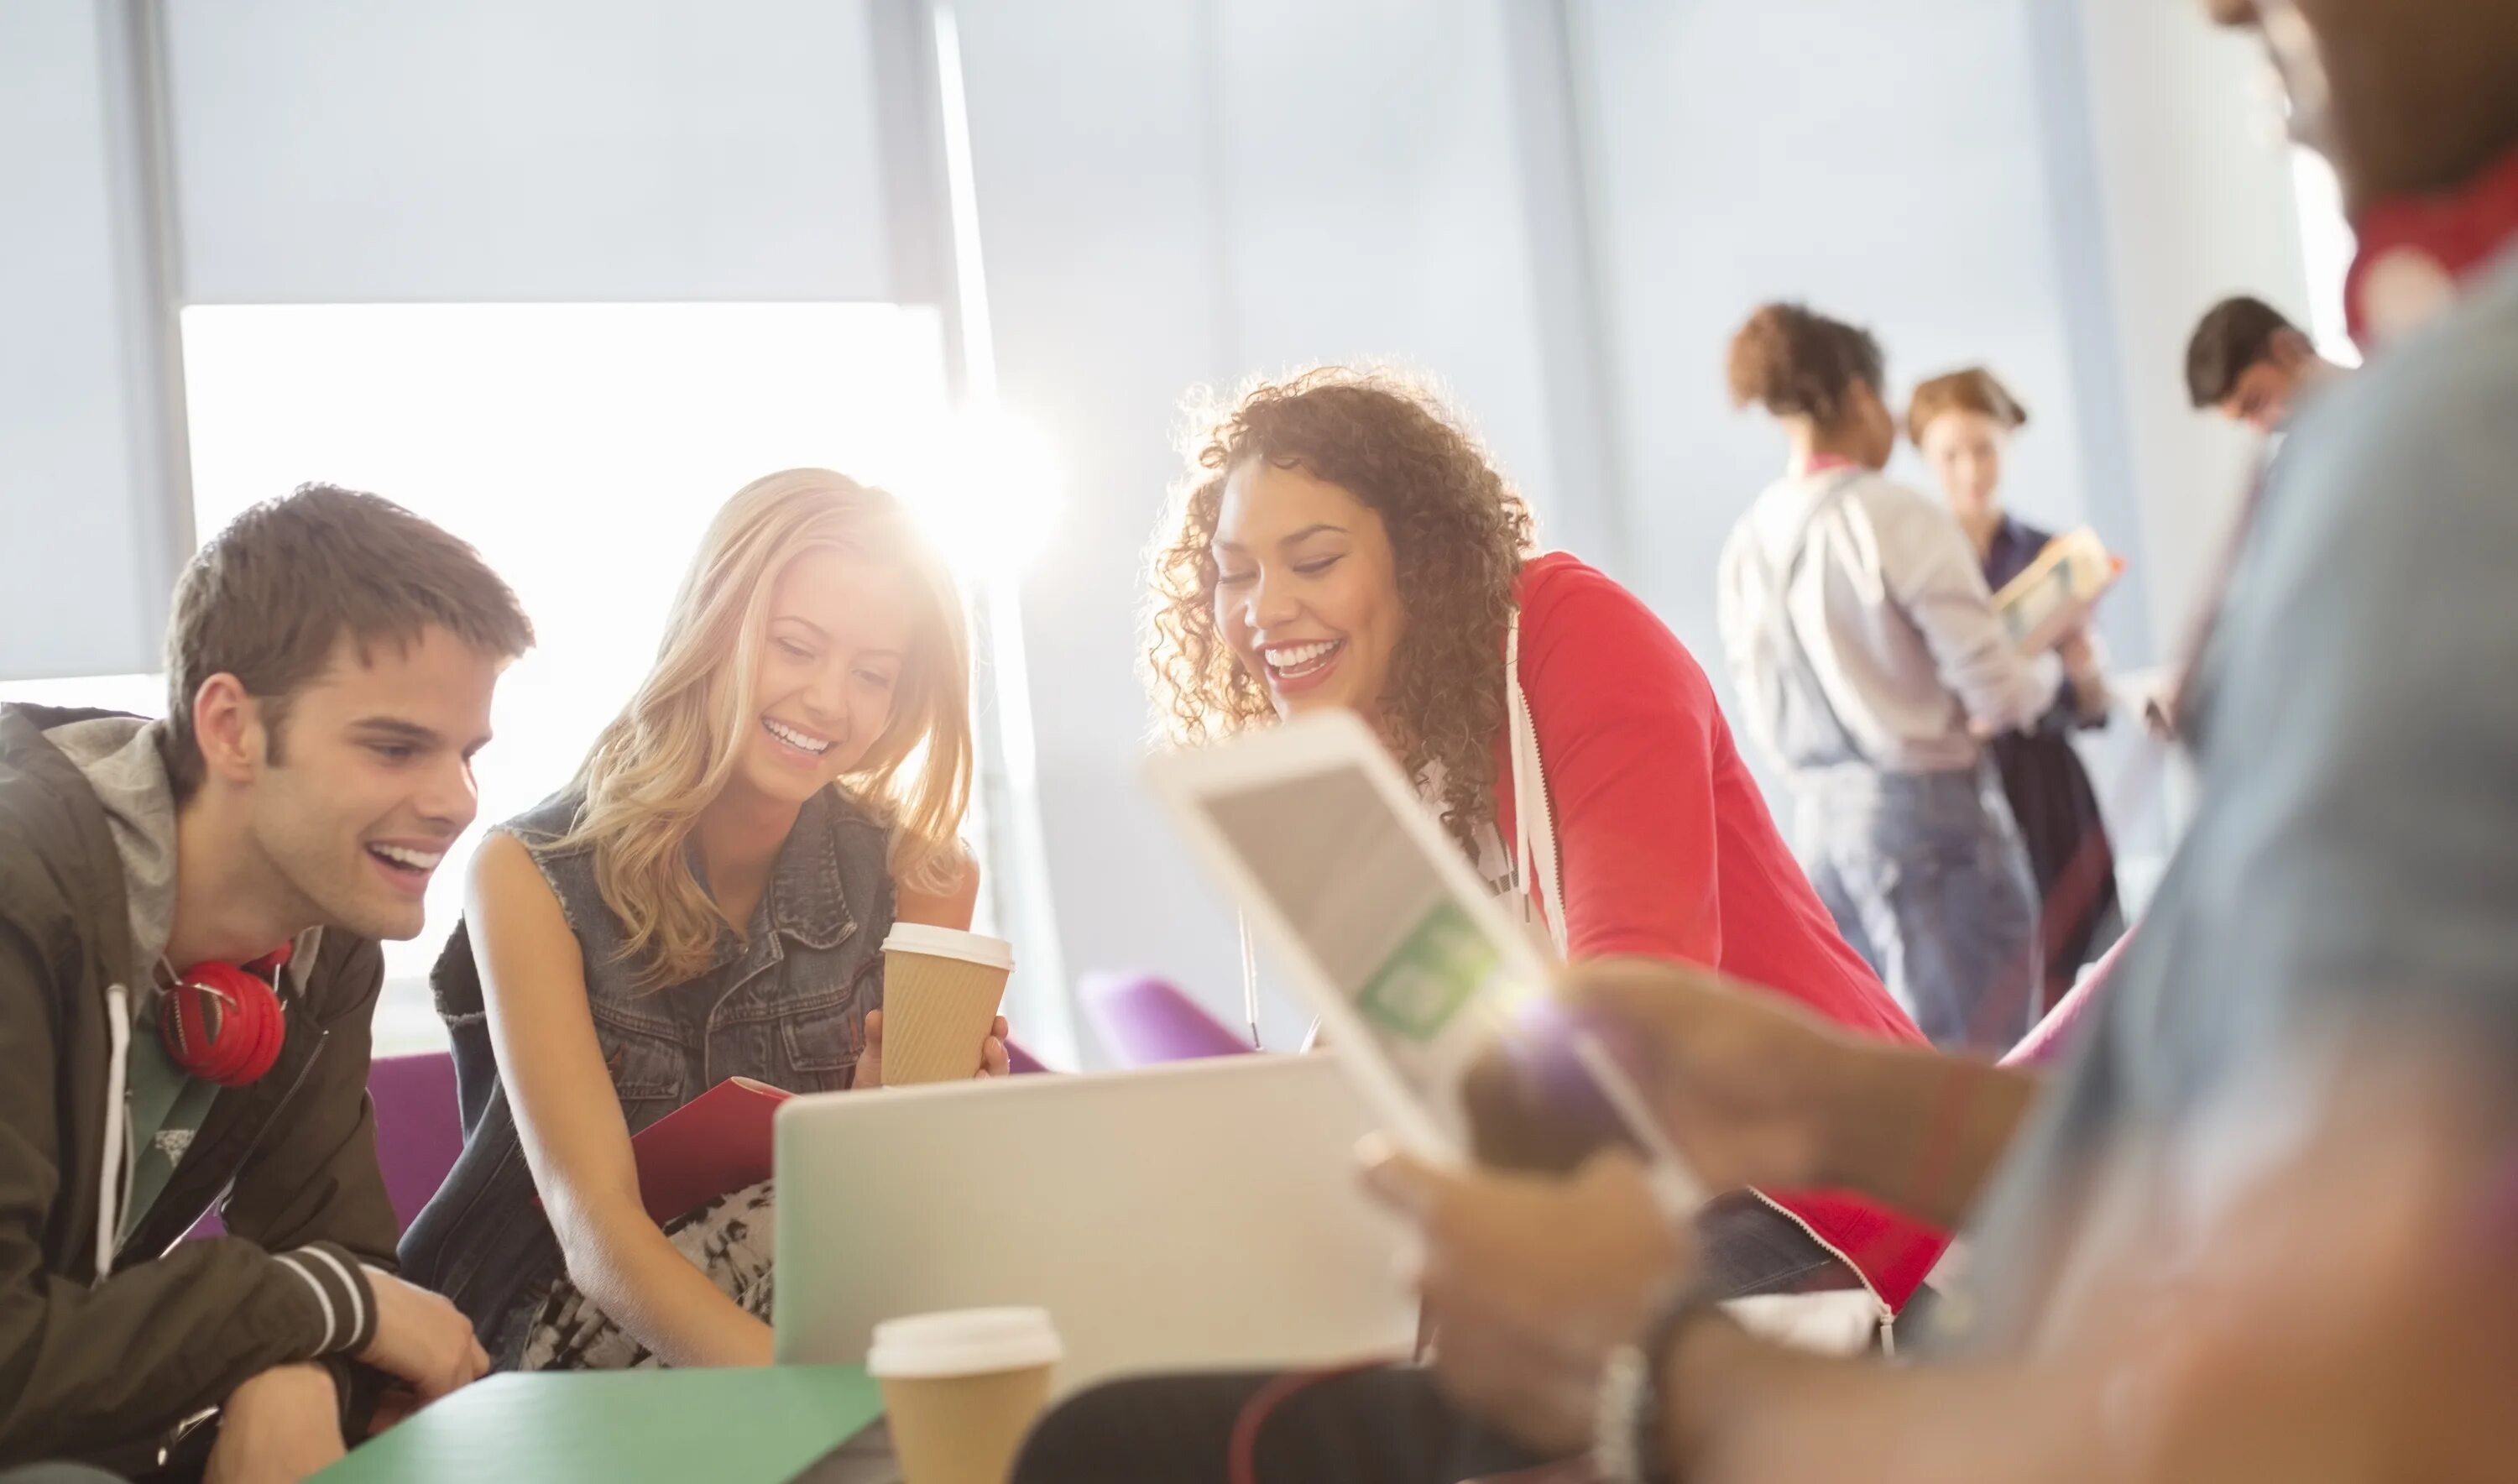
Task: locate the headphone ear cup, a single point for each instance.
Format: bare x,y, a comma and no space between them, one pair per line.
222,1024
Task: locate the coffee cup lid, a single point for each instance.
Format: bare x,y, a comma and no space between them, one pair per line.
950,942
963,1343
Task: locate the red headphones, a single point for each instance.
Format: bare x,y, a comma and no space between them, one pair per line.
222,1022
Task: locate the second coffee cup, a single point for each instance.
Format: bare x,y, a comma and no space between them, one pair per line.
962,1388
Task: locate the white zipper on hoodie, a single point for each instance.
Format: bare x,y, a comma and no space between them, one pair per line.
117,1128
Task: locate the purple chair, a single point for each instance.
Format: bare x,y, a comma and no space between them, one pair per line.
419,1130
419,1127
1145,1020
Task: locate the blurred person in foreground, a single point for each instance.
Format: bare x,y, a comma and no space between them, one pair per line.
2260,1226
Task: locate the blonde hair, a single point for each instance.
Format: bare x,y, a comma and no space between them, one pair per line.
674,746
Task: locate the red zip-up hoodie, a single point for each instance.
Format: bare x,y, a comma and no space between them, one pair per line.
1666,849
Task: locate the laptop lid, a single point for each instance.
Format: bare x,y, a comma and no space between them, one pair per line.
1200,1214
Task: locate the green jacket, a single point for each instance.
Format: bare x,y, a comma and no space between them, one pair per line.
100,1363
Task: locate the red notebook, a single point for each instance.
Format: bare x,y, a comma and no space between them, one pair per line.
716,1142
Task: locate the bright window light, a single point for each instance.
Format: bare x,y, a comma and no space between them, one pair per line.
140,695
583,448
2326,246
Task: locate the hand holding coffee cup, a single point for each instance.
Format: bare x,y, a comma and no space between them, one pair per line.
940,992
962,1388
995,1060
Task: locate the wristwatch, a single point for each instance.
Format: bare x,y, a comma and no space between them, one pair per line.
1626,1446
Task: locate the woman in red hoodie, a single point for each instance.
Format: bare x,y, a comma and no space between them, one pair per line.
1341,542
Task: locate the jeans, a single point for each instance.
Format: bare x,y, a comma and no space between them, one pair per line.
1927,880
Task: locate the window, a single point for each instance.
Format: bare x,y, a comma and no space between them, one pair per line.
2326,246
583,448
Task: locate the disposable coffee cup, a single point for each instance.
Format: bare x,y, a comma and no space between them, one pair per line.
962,1388
940,992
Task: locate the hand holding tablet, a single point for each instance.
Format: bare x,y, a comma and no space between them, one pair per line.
1438,999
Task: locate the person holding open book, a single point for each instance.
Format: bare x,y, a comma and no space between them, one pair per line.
708,900
1870,661
1962,423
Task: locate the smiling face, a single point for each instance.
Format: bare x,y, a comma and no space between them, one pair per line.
833,646
367,780
1306,590
1964,448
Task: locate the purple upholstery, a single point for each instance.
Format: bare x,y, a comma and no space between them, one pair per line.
1145,1020
419,1129
418,1132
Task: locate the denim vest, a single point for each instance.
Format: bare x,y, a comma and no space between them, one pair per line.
784,1004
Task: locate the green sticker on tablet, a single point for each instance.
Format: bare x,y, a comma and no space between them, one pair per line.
1437,969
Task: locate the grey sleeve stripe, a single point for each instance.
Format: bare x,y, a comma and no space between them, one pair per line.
332,1320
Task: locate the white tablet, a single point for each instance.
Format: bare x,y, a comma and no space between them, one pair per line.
1391,938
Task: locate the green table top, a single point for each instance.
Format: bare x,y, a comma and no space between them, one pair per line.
673,1426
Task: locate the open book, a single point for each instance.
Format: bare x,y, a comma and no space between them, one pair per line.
2040,603
715,1144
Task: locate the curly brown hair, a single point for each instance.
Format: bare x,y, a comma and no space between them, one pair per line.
1459,533
1795,363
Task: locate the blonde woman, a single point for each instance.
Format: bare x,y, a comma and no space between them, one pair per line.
706,899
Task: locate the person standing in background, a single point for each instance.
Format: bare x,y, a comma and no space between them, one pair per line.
2249,364
1962,423
1870,662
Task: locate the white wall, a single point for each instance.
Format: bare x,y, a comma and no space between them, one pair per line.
2198,203
1877,161
1180,195
83,574
480,151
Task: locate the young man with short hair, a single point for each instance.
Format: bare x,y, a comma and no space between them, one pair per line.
331,662
2249,364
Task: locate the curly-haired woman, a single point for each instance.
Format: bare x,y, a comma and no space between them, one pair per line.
1341,542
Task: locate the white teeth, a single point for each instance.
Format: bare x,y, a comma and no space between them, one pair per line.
794,738
418,860
1298,656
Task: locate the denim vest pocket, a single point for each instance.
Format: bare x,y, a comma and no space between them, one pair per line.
642,1050
819,1036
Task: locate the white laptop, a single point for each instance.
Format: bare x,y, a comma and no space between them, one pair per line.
1200,1214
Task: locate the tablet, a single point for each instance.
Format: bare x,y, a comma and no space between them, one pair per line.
1389,935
